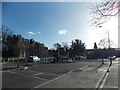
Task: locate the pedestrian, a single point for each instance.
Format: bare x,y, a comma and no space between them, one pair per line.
18,62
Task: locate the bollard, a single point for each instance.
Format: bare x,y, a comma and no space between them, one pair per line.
111,62
102,61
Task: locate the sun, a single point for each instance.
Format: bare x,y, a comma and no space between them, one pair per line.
110,27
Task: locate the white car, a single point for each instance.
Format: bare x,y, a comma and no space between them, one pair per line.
83,57
34,58
117,59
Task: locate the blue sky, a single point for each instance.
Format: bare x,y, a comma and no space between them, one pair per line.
49,22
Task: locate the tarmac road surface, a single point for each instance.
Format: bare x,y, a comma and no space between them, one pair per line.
85,74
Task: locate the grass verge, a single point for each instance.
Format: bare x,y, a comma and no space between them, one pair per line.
8,68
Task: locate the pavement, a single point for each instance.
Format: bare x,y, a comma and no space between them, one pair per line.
86,74
112,80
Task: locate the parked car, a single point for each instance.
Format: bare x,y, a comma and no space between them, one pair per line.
47,60
117,59
112,57
83,57
33,59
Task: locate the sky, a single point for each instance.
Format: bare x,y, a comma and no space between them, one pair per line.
55,22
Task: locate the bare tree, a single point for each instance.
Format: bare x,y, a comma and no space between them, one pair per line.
58,46
66,48
105,43
5,31
103,11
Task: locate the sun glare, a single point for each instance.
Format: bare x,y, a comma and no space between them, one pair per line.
111,28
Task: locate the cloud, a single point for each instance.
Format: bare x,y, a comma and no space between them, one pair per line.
31,33
38,33
63,31
61,0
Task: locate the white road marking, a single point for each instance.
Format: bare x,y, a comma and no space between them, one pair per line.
40,78
32,71
104,80
12,72
101,69
27,75
101,83
58,77
42,73
52,74
38,73
46,73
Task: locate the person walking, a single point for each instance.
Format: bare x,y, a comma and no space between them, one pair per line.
18,63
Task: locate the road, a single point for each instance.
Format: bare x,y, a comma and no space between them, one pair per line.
39,73
55,75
